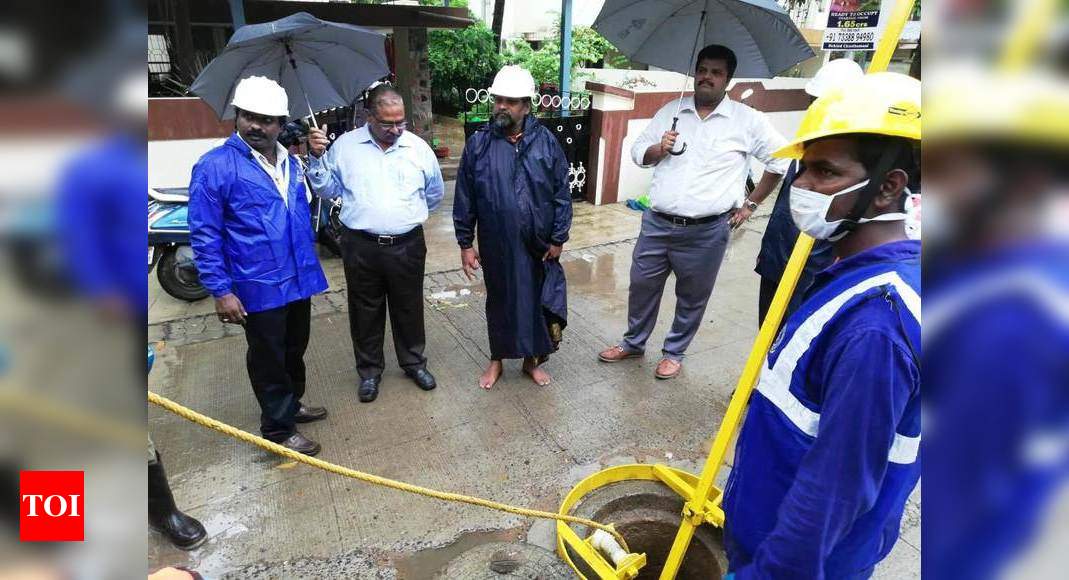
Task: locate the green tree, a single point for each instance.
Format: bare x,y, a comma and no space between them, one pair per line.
588,47
543,64
460,59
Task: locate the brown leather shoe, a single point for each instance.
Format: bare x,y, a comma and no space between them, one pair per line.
616,353
301,444
308,414
668,369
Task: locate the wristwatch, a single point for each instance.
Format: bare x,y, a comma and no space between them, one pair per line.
750,204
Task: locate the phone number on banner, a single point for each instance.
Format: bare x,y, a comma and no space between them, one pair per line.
839,39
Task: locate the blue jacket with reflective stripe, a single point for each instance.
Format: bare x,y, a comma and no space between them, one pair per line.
245,239
829,451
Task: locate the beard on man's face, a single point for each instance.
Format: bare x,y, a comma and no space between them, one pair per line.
503,120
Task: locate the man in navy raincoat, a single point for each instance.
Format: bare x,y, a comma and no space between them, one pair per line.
830,449
512,191
251,232
781,233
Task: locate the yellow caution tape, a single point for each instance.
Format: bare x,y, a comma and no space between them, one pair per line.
205,421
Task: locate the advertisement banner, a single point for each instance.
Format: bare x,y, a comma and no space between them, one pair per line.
852,25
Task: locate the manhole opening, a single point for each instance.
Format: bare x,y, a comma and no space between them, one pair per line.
648,514
704,559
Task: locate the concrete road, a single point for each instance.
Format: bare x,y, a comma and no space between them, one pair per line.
270,518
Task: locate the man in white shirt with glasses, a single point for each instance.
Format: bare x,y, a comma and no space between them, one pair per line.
389,181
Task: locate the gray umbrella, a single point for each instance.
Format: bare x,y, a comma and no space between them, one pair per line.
663,33
667,34
320,64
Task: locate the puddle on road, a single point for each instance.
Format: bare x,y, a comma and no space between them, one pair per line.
424,564
594,274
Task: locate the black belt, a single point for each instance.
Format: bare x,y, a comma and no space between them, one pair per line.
385,240
679,220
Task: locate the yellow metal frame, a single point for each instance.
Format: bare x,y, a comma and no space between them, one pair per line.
701,498
680,481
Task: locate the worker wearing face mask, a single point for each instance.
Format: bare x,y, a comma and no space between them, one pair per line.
829,451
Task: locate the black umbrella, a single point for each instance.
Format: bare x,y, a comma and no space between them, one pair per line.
320,64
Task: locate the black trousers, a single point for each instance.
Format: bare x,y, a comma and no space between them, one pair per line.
764,300
277,340
768,291
381,277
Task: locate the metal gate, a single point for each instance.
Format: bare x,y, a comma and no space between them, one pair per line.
567,117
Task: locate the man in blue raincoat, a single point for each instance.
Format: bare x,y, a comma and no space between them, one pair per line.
512,191
252,237
829,451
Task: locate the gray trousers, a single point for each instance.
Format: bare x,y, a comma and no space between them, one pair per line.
694,253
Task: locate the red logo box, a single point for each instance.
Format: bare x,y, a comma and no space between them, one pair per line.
51,506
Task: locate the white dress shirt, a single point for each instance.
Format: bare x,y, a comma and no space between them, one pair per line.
279,172
710,177
383,192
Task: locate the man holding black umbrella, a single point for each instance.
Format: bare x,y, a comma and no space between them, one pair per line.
697,196
389,181
251,232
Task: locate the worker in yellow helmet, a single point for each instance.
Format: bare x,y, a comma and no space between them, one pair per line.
829,451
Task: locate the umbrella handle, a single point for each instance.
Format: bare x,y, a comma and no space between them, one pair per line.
680,152
683,89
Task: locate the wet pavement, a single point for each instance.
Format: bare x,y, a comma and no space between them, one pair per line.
271,518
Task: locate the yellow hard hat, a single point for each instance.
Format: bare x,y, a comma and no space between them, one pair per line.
1029,108
880,103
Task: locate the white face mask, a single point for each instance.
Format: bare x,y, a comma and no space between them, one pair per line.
809,210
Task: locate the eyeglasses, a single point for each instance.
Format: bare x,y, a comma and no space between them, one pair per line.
393,126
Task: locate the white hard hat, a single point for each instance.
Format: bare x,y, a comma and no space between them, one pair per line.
513,81
834,73
261,95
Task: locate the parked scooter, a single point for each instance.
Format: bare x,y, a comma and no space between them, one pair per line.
168,244
172,256
169,250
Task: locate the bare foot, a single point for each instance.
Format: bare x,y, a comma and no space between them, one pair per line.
490,375
536,372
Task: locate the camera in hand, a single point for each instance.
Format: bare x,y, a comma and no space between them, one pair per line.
293,133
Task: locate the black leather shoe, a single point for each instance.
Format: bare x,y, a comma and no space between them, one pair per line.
309,414
301,444
423,378
369,389
164,516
